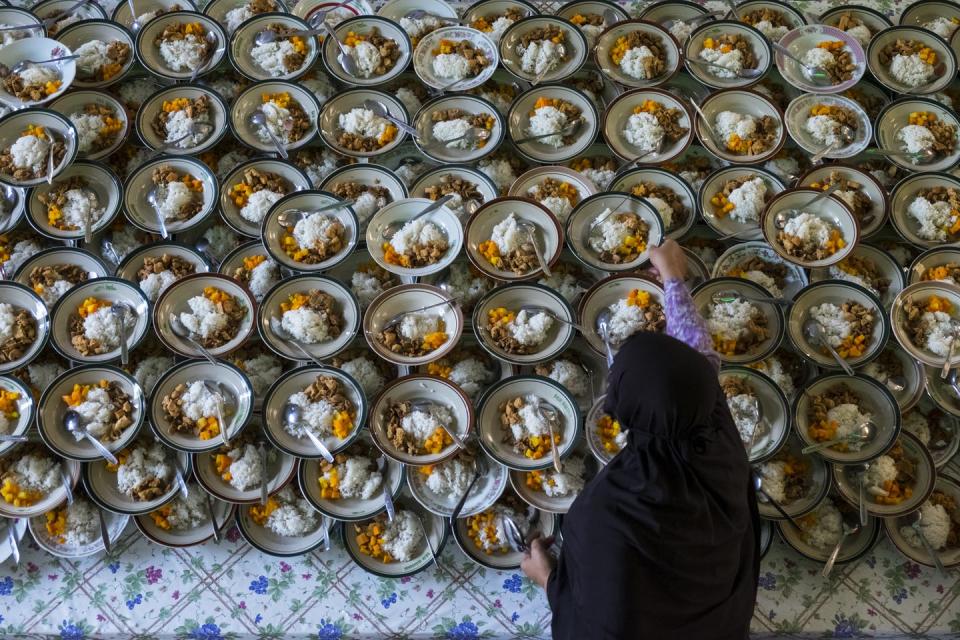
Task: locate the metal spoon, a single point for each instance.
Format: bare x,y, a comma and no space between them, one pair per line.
20,438
161,221
561,53
861,471
67,482
347,61
74,424
179,473
390,229
268,35
119,311
259,119
192,130
418,14
181,331
670,24
471,136
426,538
265,480
730,295
12,538
924,156
397,319
817,74
758,485
845,138
135,25
214,389
896,383
21,66
480,467
531,230
282,334
60,15
550,414
290,217
427,406
387,498
568,130
781,218
534,309
293,416
913,519
104,533
380,110
945,371
603,327
813,332
864,434
747,74
850,528
213,518
714,136
514,537
211,39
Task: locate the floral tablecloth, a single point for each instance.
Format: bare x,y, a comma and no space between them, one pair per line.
231,590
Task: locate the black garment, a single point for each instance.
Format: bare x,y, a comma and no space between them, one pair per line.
664,543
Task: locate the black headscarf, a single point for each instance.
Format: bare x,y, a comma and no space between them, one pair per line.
664,542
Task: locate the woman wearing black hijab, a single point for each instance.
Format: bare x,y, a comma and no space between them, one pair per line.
664,542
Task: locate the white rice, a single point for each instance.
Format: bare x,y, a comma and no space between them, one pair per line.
246,472
566,483
451,478
356,481
826,528
36,472
144,462
294,517
315,416
540,57
934,525
96,413
186,54
471,375
546,120
632,63
933,218
83,524
911,70
748,200
307,325
365,372
203,318
564,283
403,536
643,130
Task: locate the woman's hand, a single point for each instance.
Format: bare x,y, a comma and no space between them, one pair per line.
537,562
669,260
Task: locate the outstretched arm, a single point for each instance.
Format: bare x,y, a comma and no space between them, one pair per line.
683,321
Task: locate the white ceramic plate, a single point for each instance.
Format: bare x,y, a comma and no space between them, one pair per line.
518,122
148,52
115,524
223,512
830,209
950,556
623,29
578,229
472,105
775,324
270,313
895,116
617,117
798,112
941,77
243,42
70,472
420,387
694,45
492,433
296,381
99,179
74,103
138,185
38,49
546,526
281,469
51,409
294,179
879,199
746,103
883,262
480,227
404,210
216,117
606,293
920,293
272,233
433,526
836,292
574,55
14,124
800,40
328,122
423,57
250,100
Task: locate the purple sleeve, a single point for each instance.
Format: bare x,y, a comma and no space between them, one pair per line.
684,322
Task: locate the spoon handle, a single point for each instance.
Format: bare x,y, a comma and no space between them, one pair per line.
102,450
463,499
322,448
606,344
206,354
21,438
426,537
830,148
779,509
782,50
536,249
403,126
122,332
828,567
224,427
847,369
276,143
557,466
264,493
929,549
67,483
862,497
820,196
945,371
310,356
104,533
826,444
213,520
886,153
12,538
